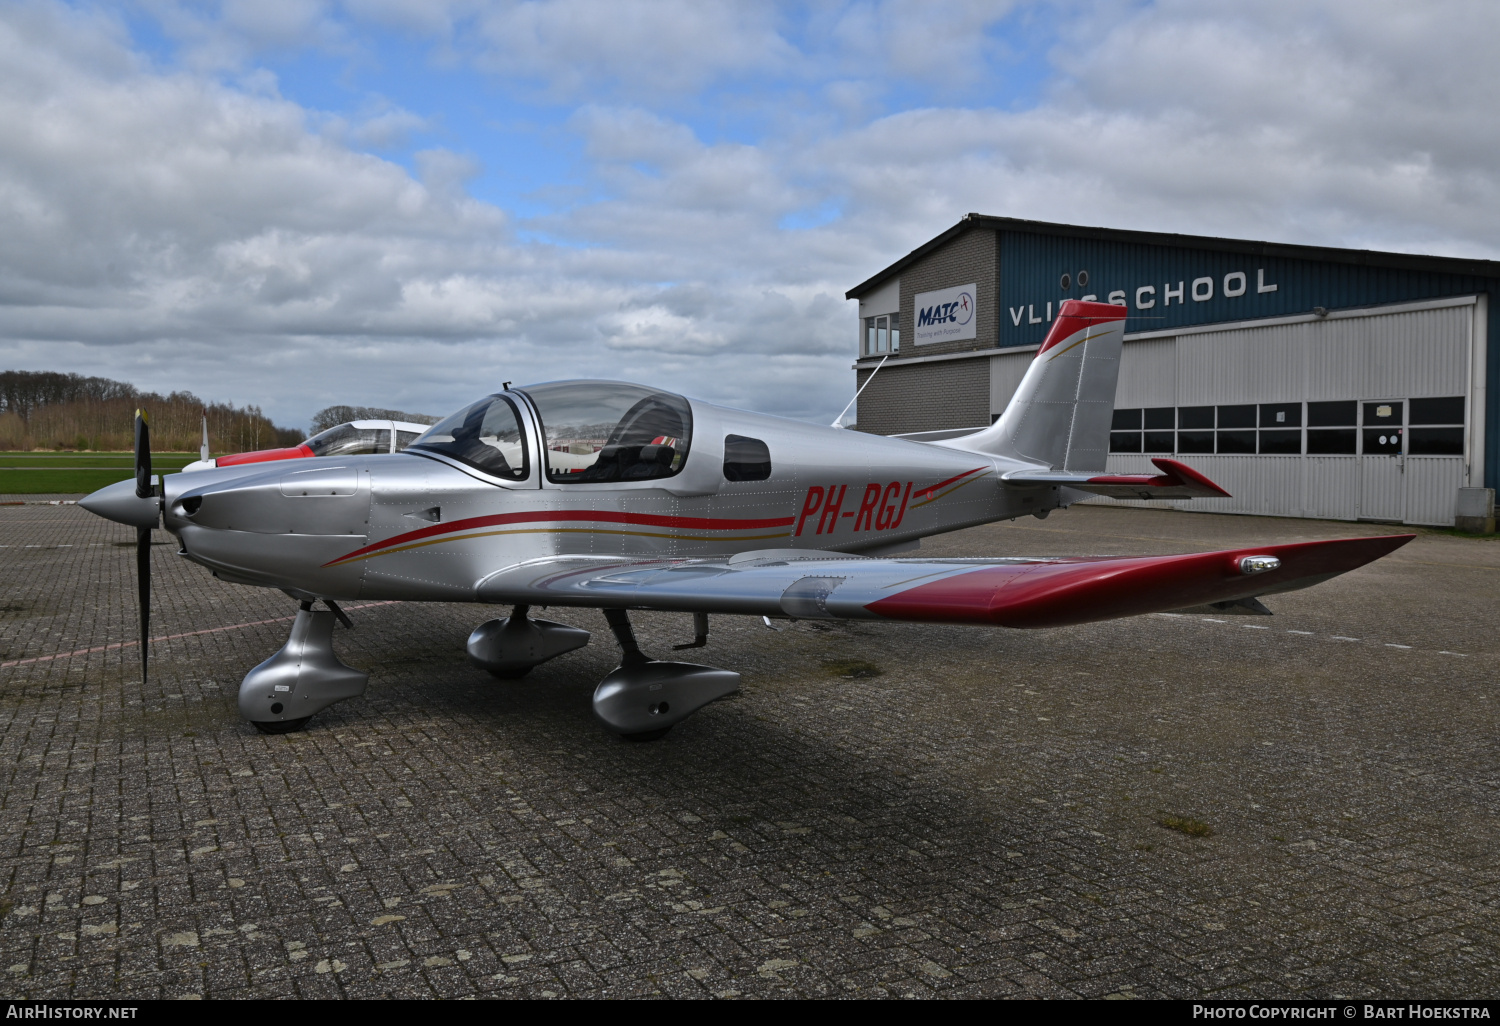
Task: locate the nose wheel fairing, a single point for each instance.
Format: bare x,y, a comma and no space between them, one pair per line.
303,678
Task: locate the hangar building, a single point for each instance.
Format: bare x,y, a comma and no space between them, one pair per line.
1309,382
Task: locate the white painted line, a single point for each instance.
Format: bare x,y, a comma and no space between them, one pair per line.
1340,637
171,637
1254,627
1389,645
1308,633
1459,654
1209,619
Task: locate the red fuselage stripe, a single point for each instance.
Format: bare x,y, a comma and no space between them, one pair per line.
944,484
573,516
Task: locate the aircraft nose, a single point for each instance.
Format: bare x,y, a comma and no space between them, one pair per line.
118,502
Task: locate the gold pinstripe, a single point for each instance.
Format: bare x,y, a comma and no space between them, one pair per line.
1080,342
557,530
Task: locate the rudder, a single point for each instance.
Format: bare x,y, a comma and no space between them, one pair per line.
1060,414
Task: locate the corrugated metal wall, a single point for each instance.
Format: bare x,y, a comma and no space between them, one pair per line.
1006,373
1032,265
1401,355
1148,374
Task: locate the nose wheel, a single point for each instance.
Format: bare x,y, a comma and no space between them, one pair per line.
282,726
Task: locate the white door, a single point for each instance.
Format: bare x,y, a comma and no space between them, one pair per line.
1382,488
1382,447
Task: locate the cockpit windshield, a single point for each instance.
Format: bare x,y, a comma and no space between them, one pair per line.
348,440
611,431
487,436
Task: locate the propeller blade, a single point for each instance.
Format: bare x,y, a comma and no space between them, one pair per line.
143,587
144,489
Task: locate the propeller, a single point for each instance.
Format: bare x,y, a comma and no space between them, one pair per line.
145,488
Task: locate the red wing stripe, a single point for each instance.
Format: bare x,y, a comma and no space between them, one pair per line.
943,484
571,515
1062,594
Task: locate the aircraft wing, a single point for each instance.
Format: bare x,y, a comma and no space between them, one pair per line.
1176,481
1012,592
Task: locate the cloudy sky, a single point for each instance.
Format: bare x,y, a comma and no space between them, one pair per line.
406,202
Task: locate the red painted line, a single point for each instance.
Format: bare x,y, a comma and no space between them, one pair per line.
569,515
940,484
171,637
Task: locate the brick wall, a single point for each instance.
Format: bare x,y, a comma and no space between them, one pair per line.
970,257
925,396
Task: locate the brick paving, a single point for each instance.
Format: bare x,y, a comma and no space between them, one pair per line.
981,818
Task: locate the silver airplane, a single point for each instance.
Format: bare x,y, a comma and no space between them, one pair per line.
618,496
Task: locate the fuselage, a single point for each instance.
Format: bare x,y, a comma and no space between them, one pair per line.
425,526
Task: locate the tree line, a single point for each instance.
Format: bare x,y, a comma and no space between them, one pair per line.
53,410
335,415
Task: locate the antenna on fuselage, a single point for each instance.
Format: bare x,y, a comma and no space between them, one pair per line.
837,421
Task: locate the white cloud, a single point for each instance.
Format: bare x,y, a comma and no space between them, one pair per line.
178,229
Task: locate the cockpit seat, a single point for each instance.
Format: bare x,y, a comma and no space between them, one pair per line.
629,463
653,461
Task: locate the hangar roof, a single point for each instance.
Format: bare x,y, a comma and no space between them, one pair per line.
1327,254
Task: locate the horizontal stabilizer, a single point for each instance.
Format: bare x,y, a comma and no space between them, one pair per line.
1176,481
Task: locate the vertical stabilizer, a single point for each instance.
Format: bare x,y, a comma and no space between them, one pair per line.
1060,414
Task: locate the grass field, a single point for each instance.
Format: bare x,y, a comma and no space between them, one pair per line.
34,473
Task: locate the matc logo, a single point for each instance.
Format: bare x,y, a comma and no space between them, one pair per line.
961,311
947,315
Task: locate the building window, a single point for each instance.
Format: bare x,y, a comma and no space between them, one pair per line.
1330,428
882,334
1437,427
1125,431
1236,417
1195,417
1246,430
1239,443
1280,433
1195,441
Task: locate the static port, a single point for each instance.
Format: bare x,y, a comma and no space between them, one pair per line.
659,708
276,707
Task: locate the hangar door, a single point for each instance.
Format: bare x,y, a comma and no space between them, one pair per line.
1359,415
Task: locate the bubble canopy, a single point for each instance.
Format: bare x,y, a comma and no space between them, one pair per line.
486,435
610,431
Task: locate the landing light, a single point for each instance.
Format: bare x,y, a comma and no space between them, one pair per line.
1258,564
